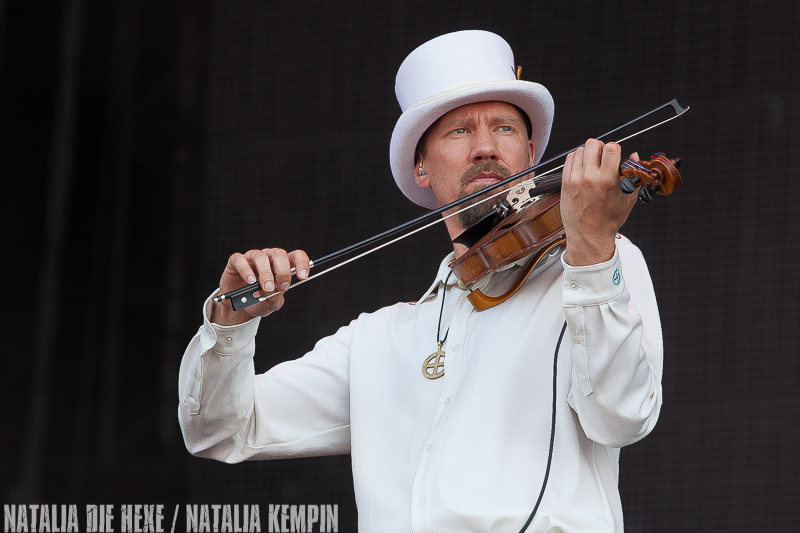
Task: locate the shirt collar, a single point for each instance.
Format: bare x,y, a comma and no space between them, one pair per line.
441,276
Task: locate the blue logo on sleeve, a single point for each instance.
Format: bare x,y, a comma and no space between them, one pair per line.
615,277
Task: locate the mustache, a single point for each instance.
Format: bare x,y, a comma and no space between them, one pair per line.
486,167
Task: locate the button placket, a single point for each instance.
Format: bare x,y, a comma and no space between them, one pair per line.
421,491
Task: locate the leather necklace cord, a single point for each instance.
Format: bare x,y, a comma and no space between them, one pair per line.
441,312
433,366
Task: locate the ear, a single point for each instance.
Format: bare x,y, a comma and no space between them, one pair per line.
422,181
531,152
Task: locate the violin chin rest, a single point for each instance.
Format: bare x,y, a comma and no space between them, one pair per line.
470,236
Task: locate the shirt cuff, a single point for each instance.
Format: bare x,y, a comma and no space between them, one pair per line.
225,340
592,284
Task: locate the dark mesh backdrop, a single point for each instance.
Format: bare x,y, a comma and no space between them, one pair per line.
204,127
300,111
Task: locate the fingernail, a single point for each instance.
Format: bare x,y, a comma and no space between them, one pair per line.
251,278
269,286
303,274
284,285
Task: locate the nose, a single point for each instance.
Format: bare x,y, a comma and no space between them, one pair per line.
484,145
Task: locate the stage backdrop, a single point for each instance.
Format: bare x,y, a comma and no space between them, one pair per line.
291,126
300,111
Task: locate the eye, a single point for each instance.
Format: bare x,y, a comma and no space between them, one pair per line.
459,131
506,129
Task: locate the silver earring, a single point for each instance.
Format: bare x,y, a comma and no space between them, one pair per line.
421,170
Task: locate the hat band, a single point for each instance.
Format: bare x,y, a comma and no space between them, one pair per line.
459,89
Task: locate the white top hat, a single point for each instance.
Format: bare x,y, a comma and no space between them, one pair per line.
449,71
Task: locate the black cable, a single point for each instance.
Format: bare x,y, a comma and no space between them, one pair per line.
552,431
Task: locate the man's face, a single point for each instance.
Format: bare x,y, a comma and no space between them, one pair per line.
472,147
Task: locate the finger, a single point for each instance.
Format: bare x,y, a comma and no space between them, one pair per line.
611,158
566,172
301,263
239,265
263,266
268,306
273,304
281,267
265,307
593,155
635,156
577,164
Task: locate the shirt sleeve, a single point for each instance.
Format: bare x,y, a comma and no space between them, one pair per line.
298,408
616,347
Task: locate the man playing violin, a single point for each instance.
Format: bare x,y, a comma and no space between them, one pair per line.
493,425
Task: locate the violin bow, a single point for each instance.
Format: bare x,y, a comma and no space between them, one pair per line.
245,296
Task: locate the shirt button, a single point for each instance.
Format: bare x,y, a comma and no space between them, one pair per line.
456,347
420,502
576,339
229,338
429,447
573,286
447,401
197,376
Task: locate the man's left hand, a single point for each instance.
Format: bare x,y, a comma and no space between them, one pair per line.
593,207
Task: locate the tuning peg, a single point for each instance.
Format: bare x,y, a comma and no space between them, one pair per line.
646,192
628,185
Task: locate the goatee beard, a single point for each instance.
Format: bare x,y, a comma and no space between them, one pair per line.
468,217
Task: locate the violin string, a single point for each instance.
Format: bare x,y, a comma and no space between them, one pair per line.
469,206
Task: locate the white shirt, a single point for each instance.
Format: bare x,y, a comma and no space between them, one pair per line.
468,451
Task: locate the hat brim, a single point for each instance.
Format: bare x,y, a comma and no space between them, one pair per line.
534,99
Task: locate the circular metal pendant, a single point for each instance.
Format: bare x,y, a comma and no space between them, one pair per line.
433,367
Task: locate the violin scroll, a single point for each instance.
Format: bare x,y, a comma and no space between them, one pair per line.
659,175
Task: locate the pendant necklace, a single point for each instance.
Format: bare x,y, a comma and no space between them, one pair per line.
433,367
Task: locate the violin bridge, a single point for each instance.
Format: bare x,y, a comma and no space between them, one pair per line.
520,196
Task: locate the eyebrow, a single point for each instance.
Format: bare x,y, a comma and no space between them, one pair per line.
508,118
497,120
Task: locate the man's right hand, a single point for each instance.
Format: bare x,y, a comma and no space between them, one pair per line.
272,268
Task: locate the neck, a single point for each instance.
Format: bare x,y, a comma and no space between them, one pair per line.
460,249
454,229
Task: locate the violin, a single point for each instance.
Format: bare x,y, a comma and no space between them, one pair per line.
509,224
528,223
